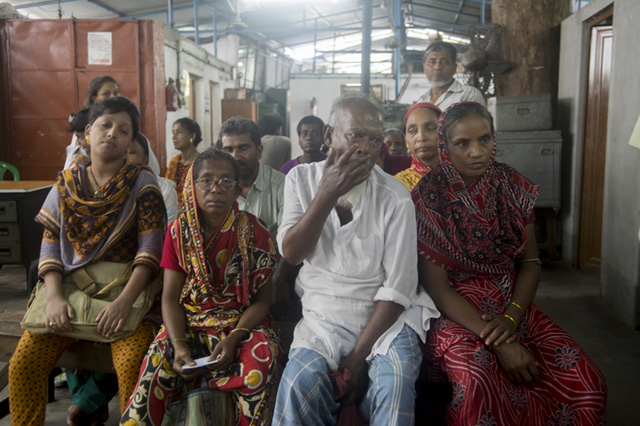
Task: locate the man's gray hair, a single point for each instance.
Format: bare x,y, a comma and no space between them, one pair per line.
343,101
441,46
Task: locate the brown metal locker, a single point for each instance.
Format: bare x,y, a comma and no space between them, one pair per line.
45,75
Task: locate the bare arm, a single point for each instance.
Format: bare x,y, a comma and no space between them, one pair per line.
172,311
501,328
435,280
174,321
58,311
280,286
112,318
251,318
528,277
338,177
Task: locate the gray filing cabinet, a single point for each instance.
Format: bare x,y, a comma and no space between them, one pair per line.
521,113
20,236
536,155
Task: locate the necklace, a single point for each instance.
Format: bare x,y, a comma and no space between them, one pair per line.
98,192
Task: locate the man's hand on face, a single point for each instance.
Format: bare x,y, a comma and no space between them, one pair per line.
342,174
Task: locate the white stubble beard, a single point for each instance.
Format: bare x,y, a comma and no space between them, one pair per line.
352,197
440,83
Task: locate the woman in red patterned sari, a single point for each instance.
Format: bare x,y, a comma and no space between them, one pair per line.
507,361
217,294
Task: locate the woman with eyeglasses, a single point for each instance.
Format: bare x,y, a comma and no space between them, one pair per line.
218,263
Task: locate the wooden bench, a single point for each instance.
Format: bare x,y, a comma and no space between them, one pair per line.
83,355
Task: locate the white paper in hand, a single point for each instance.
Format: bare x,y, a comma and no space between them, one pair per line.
200,362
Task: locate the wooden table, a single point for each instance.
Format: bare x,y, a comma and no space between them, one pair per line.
20,236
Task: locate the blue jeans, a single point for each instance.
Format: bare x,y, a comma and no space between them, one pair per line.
305,395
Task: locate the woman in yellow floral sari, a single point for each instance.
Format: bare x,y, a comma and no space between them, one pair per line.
217,294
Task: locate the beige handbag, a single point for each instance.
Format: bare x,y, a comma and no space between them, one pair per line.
89,290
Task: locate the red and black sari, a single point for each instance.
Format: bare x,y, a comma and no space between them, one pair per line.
477,234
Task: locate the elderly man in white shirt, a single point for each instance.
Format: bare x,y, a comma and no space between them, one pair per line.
440,63
363,310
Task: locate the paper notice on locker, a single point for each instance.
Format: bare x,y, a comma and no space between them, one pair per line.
100,48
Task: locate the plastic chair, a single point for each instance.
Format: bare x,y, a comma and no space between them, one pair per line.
4,167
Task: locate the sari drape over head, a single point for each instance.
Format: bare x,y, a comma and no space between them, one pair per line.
477,234
222,276
412,175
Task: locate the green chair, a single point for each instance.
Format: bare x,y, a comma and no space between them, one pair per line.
4,167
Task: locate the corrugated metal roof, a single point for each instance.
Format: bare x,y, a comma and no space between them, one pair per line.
286,24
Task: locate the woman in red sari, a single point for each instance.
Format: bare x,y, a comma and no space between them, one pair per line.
507,361
217,294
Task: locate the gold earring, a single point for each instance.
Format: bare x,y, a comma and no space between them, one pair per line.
191,140
87,139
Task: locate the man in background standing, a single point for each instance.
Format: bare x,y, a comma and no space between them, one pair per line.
439,64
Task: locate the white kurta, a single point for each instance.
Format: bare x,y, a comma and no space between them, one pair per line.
372,258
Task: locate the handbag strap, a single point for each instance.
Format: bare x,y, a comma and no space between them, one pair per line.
88,285
84,281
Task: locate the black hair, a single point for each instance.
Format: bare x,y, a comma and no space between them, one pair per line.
239,126
79,121
114,105
215,154
192,127
461,111
393,131
440,46
96,84
269,124
310,120
142,140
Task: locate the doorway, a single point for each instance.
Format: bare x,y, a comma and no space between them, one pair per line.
594,143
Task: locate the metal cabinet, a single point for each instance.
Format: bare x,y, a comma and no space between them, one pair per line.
20,236
239,107
537,156
46,67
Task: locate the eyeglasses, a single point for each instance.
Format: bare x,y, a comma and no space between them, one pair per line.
207,184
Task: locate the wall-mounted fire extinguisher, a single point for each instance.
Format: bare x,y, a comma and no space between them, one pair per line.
171,94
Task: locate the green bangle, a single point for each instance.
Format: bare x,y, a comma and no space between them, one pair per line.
178,340
512,320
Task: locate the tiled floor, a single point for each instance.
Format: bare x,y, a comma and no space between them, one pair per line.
569,296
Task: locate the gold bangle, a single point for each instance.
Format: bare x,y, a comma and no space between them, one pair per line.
512,320
537,261
240,329
517,306
178,340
